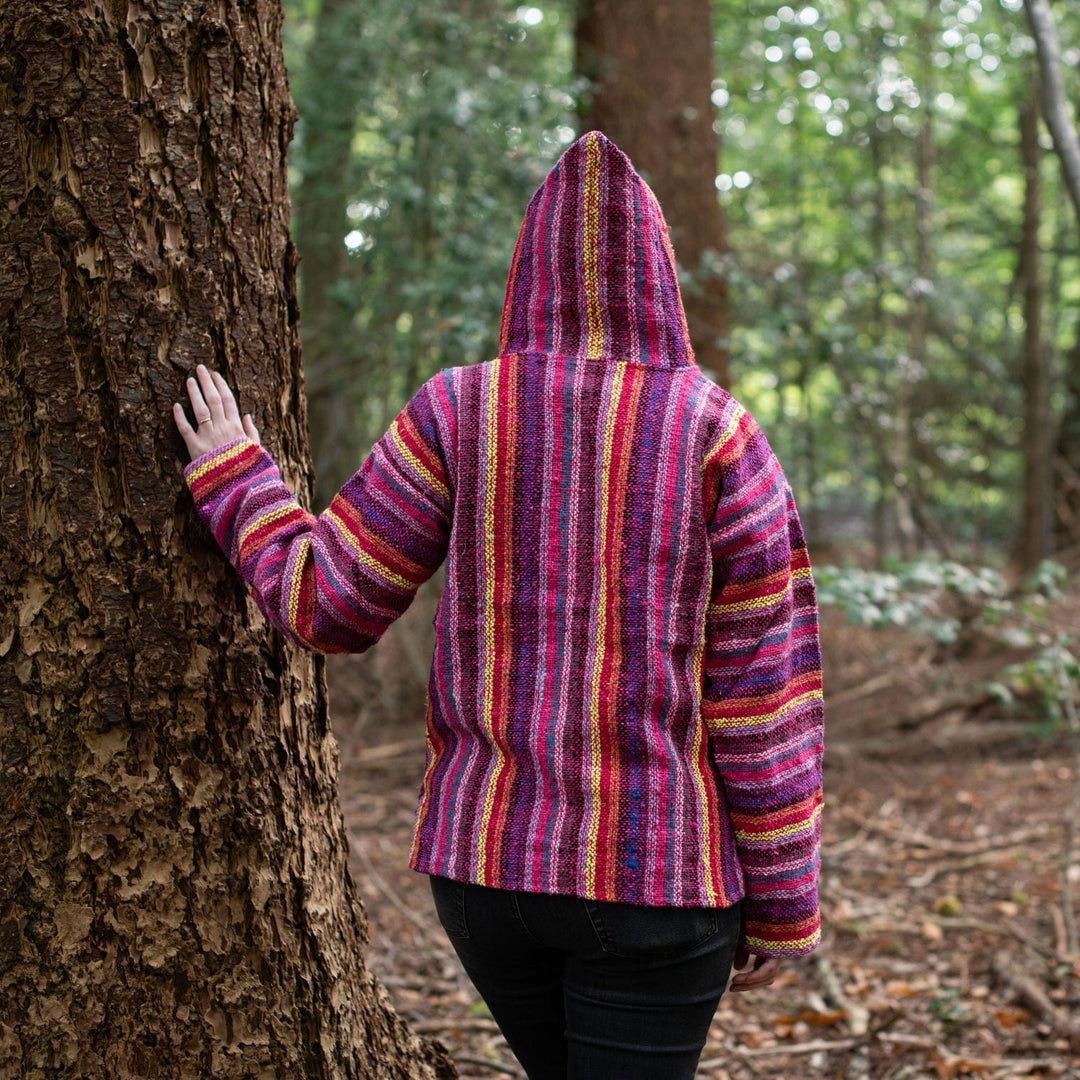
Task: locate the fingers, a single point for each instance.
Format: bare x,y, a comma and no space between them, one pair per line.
199,409
210,394
217,420
228,402
764,971
187,433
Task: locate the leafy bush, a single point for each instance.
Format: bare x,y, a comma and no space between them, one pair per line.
948,602
933,598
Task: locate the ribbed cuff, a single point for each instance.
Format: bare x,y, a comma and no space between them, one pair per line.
220,468
782,939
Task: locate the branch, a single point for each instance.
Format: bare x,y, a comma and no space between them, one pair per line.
1055,108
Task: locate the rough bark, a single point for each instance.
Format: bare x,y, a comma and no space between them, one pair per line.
650,66
1034,540
174,895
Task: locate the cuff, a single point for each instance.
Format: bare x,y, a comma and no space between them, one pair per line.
781,939
223,467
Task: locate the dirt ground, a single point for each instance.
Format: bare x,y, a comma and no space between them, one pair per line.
944,940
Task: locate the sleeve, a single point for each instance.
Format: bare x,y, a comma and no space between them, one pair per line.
335,582
762,697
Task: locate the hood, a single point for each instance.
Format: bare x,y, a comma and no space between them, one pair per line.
593,273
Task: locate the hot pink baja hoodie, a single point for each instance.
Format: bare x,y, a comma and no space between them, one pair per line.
625,699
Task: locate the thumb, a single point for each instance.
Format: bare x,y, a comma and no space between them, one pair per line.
251,430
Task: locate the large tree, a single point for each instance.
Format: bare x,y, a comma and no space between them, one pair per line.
650,70
174,895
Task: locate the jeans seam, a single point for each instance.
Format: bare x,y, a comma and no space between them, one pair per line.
608,946
459,928
460,897
597,925
521,920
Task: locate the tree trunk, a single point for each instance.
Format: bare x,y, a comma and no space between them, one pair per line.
651,66
335,79
174,895
892,447
1036,527
1055,104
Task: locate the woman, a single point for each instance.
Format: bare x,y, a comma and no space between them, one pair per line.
622,792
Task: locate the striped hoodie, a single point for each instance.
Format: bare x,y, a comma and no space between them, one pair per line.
625,697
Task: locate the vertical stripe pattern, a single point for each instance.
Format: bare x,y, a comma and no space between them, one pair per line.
625,698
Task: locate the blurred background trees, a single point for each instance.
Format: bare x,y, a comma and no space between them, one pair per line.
903,291
878,251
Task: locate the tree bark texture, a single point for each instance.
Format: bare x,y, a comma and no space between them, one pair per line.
651,66
174,895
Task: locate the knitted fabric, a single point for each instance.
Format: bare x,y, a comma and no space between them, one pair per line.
625,697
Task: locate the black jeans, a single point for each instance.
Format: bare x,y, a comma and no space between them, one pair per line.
592,990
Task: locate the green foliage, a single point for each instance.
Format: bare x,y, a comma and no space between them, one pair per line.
941,600
948,1006
929,596
1051,678
466,107
822,113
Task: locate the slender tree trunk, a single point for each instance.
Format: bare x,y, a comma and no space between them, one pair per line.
1055,104
1067,455
651,67
332,92
892,440
913,371
1036,525
174,895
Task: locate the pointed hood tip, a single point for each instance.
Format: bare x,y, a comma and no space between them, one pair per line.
606,145
593,273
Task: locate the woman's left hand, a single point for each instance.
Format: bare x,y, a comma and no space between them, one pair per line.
219,422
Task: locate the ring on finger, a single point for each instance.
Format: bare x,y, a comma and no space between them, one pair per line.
202,420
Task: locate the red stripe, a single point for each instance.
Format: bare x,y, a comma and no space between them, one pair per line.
378,548
776,819
224,472
607,819
412,438
506,430
257,539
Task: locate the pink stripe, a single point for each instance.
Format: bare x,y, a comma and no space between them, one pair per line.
666,497
788,765
542,281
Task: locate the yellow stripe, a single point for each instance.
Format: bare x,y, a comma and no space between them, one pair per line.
267,518
212,463
722,438
784,830
758,601
723,722
601,642
416,464
595,345
793,943
293,605
708,854
489,609
366,557
715,900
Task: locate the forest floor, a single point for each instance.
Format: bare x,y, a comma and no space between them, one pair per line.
944,936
